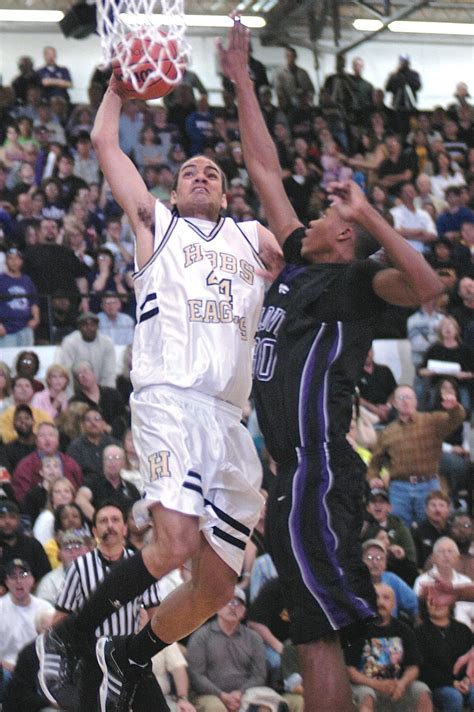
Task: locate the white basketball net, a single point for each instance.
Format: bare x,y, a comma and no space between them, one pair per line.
120,22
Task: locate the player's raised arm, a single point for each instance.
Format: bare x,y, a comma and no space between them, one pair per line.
260,155
126,183
411,281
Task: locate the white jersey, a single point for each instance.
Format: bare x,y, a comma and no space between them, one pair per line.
198,303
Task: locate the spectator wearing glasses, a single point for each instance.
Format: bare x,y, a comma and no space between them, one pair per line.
18,609
412,444
374,556
72,544
108,486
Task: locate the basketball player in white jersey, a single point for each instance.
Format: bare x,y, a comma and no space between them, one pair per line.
199,292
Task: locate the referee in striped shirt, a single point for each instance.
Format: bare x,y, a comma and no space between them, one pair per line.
83,576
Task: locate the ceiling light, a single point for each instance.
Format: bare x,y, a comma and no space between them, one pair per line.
367,25
31,15
252,21
433,28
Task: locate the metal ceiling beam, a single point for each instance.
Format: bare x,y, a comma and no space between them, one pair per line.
278,22
370,8
336,22
399,15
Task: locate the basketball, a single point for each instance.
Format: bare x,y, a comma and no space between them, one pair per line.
145,57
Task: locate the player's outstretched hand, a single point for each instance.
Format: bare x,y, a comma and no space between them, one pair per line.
234,58
348,199
117,88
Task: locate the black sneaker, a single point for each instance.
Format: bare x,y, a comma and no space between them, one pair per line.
121,679
57,664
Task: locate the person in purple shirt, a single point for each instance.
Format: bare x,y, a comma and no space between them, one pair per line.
19,311
55,80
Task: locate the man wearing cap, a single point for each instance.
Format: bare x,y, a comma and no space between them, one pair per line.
14,544
379,513
226,660
412,445
88,344
18,609
25,442
19,311
374,556
72,543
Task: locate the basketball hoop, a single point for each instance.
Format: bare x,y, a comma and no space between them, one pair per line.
157,26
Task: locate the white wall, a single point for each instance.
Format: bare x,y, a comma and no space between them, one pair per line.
441,64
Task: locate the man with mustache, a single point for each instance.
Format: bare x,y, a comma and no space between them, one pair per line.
82,578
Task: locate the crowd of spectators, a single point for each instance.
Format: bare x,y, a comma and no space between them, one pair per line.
66,265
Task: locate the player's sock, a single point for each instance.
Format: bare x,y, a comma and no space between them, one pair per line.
127,580
144,645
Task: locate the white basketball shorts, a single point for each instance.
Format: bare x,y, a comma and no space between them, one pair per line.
197,458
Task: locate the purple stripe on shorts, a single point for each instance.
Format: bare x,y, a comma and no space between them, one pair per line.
337,617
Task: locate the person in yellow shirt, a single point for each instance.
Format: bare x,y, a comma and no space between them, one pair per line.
22,394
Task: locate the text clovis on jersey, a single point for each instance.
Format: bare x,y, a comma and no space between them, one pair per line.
265,356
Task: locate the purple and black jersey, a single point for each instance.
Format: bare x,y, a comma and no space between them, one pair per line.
316,327
315,330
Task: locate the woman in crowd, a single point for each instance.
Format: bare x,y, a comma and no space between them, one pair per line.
11,151
378,197
74,238
36,498
66,516
371,153
6,398
54,207
444,175
60,492
105,278
53,399
450,349
454,463
131,471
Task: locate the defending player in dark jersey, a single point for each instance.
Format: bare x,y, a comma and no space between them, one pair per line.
315,331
